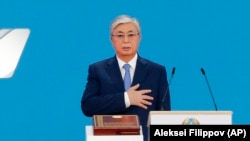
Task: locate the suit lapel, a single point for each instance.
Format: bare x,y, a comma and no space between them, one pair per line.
114,73
140,71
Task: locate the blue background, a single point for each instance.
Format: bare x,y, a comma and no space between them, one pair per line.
42,100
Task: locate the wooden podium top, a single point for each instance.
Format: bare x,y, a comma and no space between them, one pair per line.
116,125
91,137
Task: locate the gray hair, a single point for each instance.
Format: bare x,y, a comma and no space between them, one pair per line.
124,19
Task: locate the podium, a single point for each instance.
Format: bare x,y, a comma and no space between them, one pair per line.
91,137
190,117
114,128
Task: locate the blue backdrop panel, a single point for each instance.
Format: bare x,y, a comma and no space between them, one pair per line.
42,100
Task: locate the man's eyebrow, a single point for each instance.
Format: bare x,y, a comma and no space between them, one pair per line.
127,32
131,31
120,32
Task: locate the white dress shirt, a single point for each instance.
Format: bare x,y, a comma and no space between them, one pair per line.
132,64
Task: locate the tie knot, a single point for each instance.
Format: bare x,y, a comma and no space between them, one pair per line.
126,67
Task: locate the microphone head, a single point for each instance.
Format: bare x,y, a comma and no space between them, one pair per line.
173,71
202,71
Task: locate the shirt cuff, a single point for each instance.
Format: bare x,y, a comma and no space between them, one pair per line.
127,102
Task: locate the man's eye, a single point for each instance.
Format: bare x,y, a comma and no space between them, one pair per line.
120,36
131,35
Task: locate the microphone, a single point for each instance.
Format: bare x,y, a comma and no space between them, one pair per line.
203,72
167,89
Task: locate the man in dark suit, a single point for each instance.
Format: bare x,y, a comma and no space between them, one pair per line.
105,92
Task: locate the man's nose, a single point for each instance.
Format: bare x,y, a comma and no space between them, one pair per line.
126,38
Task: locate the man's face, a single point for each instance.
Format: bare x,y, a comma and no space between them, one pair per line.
125,39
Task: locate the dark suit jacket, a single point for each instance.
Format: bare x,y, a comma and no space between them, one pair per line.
104,92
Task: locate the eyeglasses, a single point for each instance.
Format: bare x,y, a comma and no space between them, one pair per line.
122,36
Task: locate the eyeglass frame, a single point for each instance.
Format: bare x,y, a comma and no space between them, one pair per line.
121,36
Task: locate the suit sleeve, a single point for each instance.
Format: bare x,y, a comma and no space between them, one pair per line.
94,102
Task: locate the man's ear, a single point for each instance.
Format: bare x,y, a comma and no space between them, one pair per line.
111,39
140,38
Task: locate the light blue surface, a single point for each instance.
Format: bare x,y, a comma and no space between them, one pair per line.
42,100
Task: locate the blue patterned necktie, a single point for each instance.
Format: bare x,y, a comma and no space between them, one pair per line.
127,79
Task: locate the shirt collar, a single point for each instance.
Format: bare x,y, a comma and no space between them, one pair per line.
132,62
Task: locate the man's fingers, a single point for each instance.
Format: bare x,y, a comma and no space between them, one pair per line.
145,91
146,97
144,102
141,97
135,87
143,106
